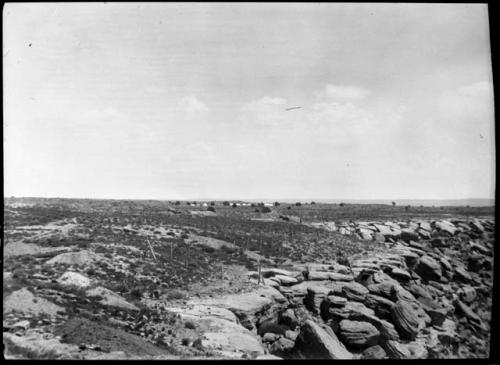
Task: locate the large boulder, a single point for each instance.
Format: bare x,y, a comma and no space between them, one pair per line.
24,301
446,227
477,226
399,274
289,318
428,268
466,311
286,280
315,296
436,312
412,350
354,291
349,310
408,235
259,305
110,298
405,320
382,306
315,342
462,274
282,347
374,353
328,275
358,334
70,278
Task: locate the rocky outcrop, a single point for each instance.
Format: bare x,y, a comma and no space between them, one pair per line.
358,334
428,268
315,342
374,353
405,320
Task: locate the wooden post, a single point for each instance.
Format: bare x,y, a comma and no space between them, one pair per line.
151,248
171,252
260,274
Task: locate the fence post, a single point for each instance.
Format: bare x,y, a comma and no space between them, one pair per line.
151,248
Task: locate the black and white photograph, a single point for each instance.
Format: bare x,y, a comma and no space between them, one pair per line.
248,181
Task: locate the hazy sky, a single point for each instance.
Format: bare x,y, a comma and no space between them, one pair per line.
184,101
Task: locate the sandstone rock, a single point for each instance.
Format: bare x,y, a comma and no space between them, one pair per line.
289,319
387,330
282,347
358,334
400,293
428,268
462,274
465,310
405,320
24,301
383,289
318,275
365,234
408,235
326,275
412,350
220,334
419,291
425,226
110,298
354,291
424,234
477,226
356,311
418,350
438,242
336,301
291,335
286,280
315,296
400,274
350,310
467,294
340,277
374,352
264,303
383,307
39,347
396,350
447,227
270,337
445,264
314,342
479,248
73,278
21,324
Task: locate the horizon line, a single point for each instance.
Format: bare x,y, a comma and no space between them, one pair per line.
254,199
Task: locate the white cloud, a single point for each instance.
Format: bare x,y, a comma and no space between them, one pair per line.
264,104
191,104
343,92
267,110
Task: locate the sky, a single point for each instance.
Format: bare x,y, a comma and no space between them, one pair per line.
189,101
